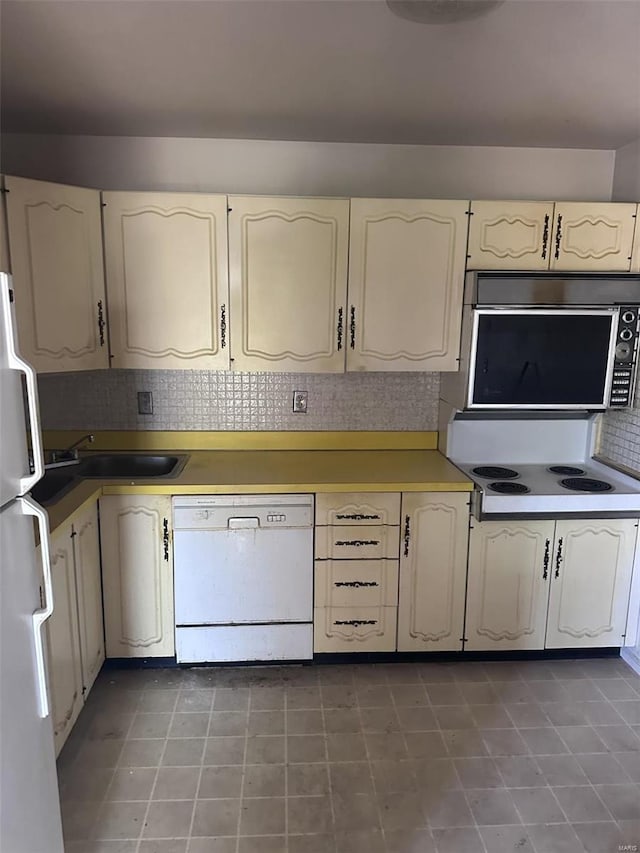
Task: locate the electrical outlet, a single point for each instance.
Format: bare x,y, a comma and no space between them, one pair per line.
300,402
145,403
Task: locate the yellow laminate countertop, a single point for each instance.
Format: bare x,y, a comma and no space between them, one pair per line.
212,472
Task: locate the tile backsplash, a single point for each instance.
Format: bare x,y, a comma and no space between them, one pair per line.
229,400
620,437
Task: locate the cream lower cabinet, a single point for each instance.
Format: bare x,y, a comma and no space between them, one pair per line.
589,598
356,572
508,584
288,278
137,575
546,584
406,278
510,235
55,238
75,635
167,279
433,570
591,236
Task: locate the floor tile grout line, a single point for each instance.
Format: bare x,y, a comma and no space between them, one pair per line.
363,734
155,781
202,765
286,772
326,754
244,770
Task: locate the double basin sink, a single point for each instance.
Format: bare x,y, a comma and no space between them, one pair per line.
105,466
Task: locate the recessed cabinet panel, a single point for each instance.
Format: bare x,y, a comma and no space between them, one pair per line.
508,584
137,571
510,235
86,549
356,583
63,640
433,567
288,276
406,272
589,236
358,508
166,260
591,581
56,252
354,629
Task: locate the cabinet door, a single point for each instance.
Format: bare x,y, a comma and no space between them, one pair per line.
510,235
86,549
4,243
288,276
55,237
635,254
433,569
137,575
166,263
589,598
588,236
63,640
508,584
406,277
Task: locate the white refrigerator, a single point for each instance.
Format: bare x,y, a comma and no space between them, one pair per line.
29,805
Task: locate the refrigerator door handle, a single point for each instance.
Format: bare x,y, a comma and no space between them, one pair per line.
17,363
40,616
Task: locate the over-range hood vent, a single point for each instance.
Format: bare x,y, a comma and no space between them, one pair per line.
528,288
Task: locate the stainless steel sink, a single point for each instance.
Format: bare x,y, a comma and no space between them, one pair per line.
107,466
53,486
130,465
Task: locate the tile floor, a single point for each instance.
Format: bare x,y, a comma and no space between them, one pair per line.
533,757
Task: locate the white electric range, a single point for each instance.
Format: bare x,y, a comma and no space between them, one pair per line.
537,466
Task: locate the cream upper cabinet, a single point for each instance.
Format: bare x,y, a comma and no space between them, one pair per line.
137,575
406,278
433,568
510,235
63,639
55,238
288,278
592,565
5,266
166,265
508,584
86,549
635,254
592,236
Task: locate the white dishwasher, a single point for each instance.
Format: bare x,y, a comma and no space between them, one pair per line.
243,572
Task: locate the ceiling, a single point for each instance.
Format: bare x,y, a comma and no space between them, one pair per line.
543,73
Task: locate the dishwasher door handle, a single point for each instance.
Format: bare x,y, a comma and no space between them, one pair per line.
243,522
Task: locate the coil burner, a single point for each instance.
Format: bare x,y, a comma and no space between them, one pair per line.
495,472
567,470
509,488
585,484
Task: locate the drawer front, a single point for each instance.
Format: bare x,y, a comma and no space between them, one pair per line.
356,583
358,508
354,629
357,543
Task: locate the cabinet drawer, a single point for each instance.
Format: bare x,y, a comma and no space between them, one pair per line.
358,508
354,629
353,543
356,583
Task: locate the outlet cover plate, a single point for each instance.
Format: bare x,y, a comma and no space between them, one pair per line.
300,400
145,403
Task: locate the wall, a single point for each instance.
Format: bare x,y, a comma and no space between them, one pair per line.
197,400
308,168
620,433
225,400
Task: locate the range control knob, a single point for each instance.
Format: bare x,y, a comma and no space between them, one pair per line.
628,317
623,352
625,334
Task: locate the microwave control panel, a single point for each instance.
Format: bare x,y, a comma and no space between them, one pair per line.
624,366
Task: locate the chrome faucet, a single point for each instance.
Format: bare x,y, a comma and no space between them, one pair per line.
70,454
